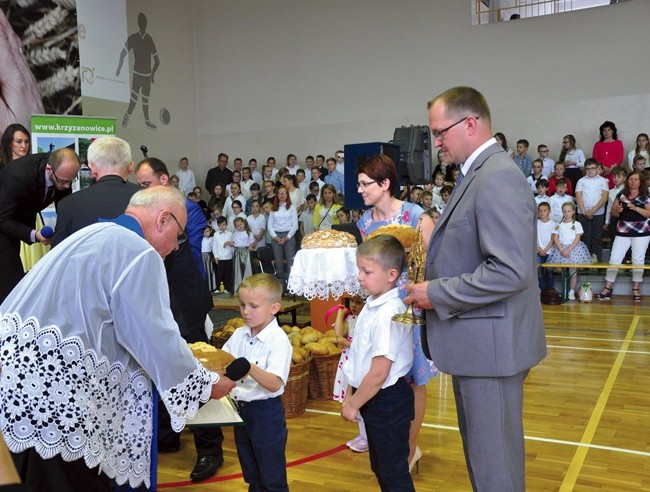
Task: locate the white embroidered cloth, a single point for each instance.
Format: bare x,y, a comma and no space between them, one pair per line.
320,272
82,339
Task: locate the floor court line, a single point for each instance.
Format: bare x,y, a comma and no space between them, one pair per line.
580,455
613,340
527,438
590,349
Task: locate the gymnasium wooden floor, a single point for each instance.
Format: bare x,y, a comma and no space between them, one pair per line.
586,419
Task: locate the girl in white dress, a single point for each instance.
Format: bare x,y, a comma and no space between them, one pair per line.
244,242
344,328
567,245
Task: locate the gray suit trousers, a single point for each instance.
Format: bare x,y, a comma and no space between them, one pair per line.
489,416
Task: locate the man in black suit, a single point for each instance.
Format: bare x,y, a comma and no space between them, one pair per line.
27,186
191,301
109,159
220,174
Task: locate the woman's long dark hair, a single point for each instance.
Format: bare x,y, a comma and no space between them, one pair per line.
7,138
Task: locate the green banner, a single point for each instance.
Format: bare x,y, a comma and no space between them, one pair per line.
72,125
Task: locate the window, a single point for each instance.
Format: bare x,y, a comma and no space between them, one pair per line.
490,11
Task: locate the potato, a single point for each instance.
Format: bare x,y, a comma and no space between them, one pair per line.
334,350
329,333
328,340
286,329
303,352
296,356
316,349
296,341
308,338
237,322
295,329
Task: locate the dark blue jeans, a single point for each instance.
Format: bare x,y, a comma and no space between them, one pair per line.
261,445
388,417
544,275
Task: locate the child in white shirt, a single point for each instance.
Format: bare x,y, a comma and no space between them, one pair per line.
222,253
243,242
558,199
545,228
262,442
206,255
380,356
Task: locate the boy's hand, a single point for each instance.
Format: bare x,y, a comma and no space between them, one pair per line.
222,387
348,412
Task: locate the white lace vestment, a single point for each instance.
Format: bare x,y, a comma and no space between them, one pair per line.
82,338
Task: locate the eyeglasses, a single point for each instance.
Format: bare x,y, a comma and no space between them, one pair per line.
62,181
361,185
591,168
441,133
182,237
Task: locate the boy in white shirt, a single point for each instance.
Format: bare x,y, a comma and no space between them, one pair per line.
536,175
380,355
303,184
545,228
558,199
548,165
186,181
257,223
307,216
542,188
262,442
592,192
222,252
255,174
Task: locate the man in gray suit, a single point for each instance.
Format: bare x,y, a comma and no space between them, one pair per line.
484,319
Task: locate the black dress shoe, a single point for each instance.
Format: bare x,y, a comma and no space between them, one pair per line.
206,466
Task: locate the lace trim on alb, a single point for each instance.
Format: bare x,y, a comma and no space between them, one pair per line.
61,398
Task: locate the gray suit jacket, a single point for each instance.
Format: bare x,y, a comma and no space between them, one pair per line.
486,318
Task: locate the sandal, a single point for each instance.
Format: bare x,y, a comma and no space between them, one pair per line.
636,295
606,294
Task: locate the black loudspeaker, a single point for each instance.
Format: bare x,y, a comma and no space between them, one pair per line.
415,147
357,154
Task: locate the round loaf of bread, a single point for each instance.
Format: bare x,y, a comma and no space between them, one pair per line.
405,234
329,238
211,357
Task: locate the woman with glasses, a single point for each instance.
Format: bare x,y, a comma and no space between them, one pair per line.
377,185
608,151
573,158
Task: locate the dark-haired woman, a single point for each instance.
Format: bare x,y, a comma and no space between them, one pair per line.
632,207
608,151
14,143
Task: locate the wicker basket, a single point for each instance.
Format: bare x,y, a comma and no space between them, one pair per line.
322,375
294,398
